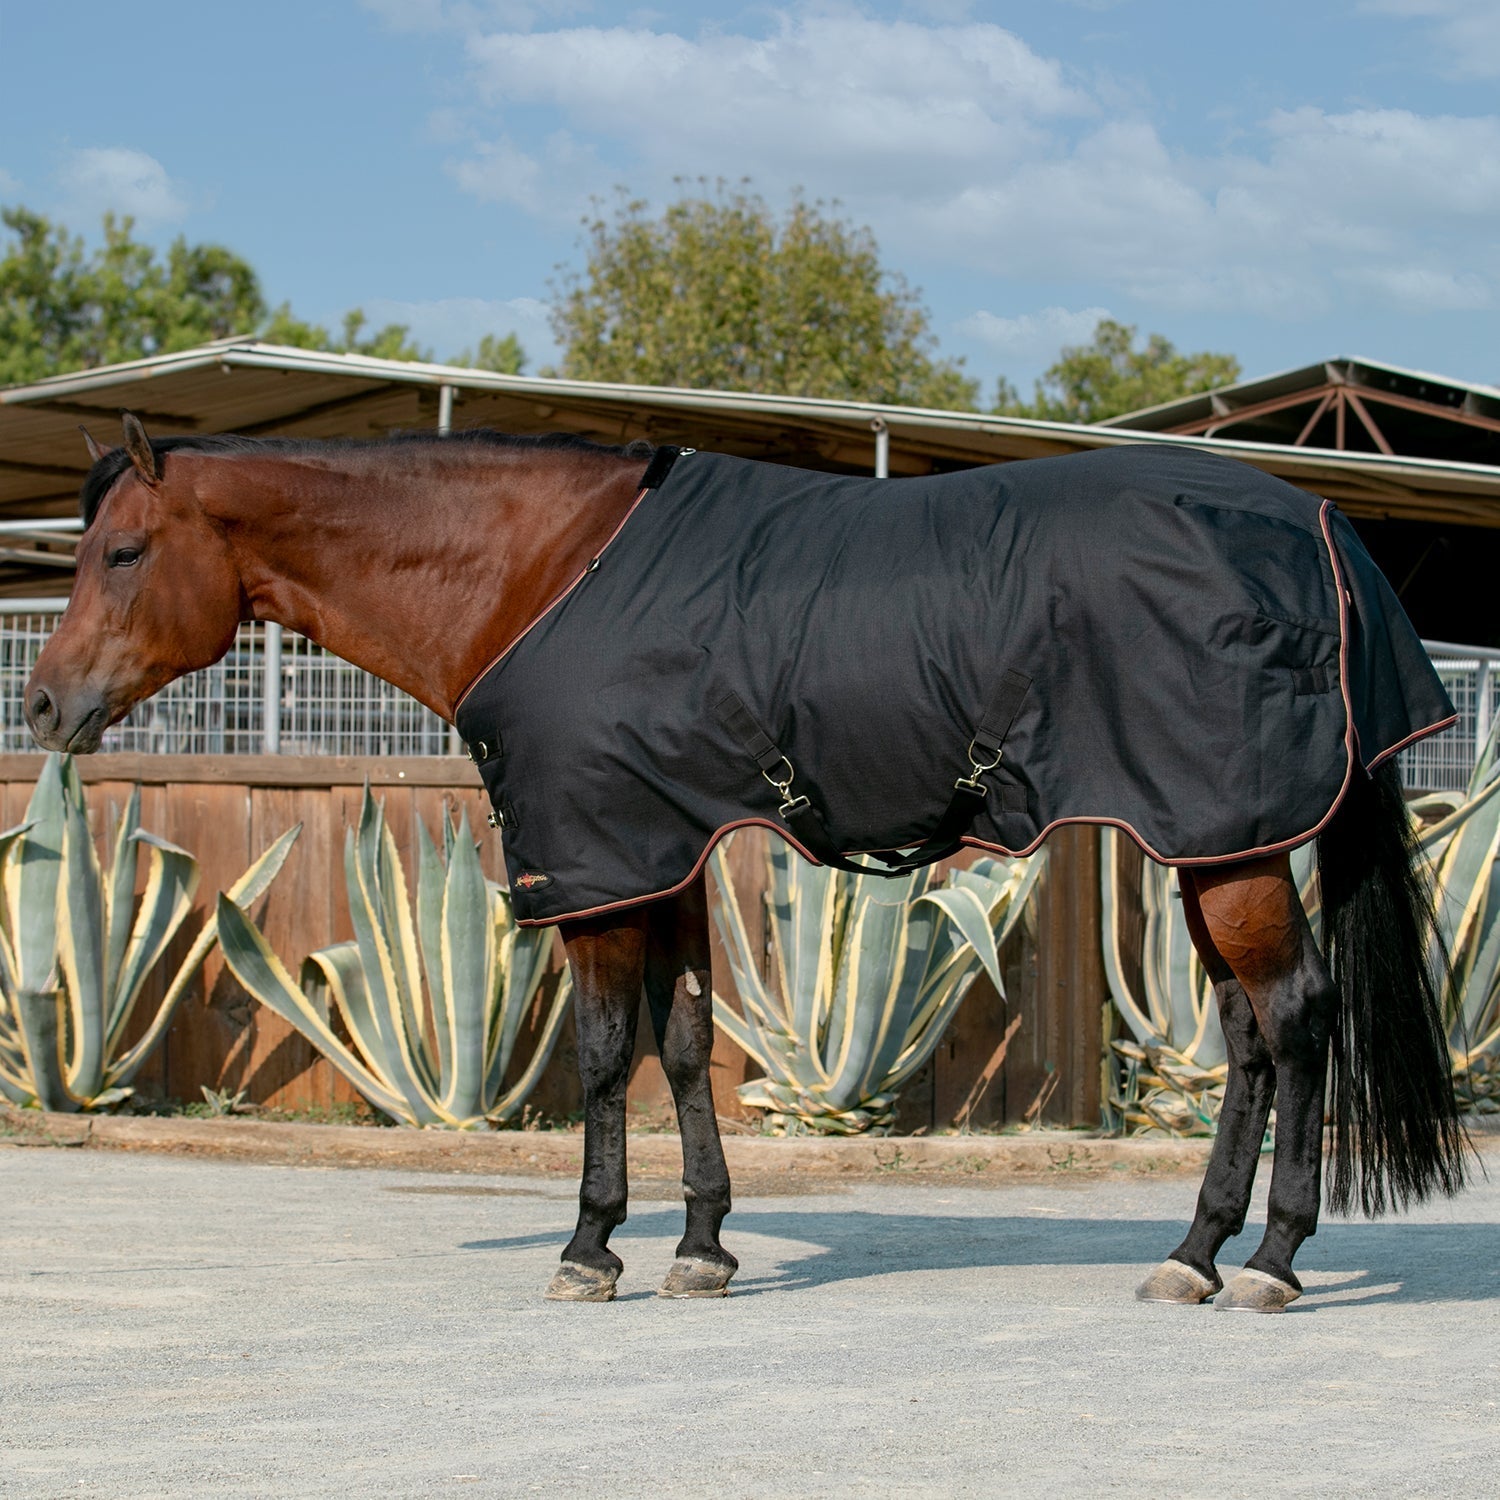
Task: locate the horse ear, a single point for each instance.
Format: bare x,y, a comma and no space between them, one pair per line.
95,451
138,446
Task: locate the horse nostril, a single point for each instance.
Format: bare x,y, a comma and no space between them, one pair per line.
43,711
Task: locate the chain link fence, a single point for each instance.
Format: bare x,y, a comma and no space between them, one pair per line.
273,692
277,692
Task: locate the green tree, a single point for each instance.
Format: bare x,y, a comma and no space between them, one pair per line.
65,307
1093,382
62,308
501,353
391,341
719,293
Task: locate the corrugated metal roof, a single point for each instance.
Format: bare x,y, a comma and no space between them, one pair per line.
248,387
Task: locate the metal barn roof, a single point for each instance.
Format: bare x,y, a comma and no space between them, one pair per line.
247,387
1347,405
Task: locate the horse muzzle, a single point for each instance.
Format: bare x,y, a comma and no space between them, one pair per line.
74,724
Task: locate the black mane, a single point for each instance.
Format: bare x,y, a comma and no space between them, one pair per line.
102,476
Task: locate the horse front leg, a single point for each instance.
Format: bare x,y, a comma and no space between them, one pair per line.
1189,1275
1254,916
679,993
607,957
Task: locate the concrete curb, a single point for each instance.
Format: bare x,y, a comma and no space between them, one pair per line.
560,1153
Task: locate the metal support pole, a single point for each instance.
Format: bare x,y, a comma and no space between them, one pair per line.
445,424
1482,718
882,448
271,688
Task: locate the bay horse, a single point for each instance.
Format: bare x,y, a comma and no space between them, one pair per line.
427,560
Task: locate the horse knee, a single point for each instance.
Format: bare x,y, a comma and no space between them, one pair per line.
604,1064
685,1064
687,1045
602,1078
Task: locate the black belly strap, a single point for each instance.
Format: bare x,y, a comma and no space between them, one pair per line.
986,749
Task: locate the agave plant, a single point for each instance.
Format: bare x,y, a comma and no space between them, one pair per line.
1171,1070
433,1053
1461,836
869,971
76,949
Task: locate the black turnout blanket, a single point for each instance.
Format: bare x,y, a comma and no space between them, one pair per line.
1163,639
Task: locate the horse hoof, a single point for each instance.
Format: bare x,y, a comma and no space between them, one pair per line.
577,1283
1172,1281
1256,1291
690,1277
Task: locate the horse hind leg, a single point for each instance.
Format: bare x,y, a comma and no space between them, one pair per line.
1254,916
608,962
1189,1275
680,998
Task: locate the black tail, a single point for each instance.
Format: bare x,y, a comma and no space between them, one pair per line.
1392,1103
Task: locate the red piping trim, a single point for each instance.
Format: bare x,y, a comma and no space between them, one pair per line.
546,610
708,848
1411,739
1211,859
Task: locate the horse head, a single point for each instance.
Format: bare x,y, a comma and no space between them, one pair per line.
157,594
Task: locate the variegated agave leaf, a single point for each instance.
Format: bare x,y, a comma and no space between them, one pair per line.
64,917
169,889
1174,1023
866,972
432,1003
522,959
1462,841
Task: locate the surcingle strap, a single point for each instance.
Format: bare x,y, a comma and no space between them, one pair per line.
969,792
799,815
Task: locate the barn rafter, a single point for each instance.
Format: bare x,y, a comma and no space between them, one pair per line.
1343,405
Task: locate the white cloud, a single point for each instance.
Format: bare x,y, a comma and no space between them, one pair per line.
959,142
1271,232
1465,32
500,172
121,180
1034,334
450,325
1422,288
1355,168
842,104
8,184
554,184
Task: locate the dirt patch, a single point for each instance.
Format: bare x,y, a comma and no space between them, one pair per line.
760,1165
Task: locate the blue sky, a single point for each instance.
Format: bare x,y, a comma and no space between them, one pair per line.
1285,181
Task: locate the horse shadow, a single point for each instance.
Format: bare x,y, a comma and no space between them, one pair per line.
1348,1263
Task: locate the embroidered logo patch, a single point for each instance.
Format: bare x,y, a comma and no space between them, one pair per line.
532,880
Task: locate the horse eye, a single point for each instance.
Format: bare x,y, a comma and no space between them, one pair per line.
124,557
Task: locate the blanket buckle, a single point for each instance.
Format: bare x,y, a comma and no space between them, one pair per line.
789,803
977,768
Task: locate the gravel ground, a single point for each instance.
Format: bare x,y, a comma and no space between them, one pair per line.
190,1328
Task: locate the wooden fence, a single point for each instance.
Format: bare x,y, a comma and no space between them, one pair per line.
226,809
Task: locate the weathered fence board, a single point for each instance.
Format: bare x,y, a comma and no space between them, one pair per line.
226,809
